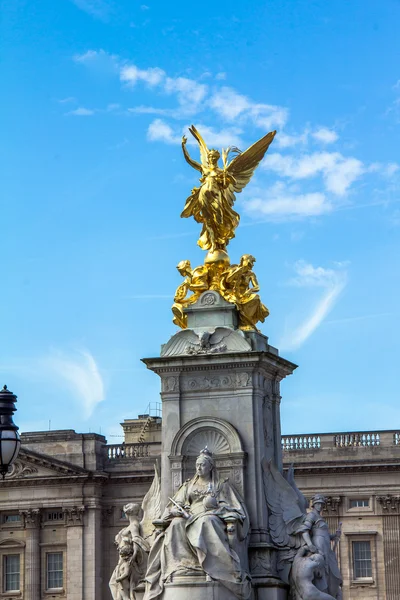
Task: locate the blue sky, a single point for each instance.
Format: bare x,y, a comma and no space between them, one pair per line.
96,95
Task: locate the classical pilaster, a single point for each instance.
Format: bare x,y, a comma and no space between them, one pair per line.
31,521
74,566
92,555
390,506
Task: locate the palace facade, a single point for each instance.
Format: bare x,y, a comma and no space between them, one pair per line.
62,505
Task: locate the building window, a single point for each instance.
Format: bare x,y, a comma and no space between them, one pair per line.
54,570
11,518
55,515
359,503
123,516
11,570
362,562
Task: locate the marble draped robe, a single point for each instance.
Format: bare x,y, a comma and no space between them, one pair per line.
200,543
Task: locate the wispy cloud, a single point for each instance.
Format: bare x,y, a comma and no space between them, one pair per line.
131,74
232,106
99,9
338,172
332,282
325,135
79,371
160,130
81,112
333,175
281,202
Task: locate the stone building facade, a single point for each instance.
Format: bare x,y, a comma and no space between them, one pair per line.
62,505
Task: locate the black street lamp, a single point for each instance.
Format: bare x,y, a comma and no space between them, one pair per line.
10,441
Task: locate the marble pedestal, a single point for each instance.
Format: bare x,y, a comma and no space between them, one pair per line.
220,388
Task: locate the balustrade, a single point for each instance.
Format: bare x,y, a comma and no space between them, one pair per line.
117,452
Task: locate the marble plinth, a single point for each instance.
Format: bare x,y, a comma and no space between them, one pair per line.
201,588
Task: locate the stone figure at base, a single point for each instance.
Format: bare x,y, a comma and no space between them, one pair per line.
134,542
306,569
133,550
306,560
203,529
315,533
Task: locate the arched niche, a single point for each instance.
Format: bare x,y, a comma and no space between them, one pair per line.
221,438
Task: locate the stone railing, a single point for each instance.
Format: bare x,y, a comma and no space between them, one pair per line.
115,452
300,442
325,441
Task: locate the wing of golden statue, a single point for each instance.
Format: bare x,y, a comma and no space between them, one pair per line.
203,146
243,166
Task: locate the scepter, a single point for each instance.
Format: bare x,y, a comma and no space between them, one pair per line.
338,534
183,512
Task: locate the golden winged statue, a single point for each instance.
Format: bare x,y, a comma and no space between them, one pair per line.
212,203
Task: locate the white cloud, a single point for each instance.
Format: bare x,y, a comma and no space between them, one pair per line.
131,74
279,202
232,106
332,282
81,112
80,373
284,140
222,138
149,110
68,100
220,76
325,135
337,171
160,131
189,93
99,61
99,9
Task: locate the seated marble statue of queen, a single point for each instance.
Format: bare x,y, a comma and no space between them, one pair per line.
204,530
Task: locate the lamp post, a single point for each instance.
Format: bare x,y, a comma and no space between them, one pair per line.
10,441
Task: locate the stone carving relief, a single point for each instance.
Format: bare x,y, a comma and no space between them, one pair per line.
268,422
261,563
74,515
213,439
236,380
106,514
31,517
332,505
170,384
20,469
208,341
209,299
389,503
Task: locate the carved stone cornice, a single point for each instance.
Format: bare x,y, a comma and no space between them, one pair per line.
389,503
31,518
74,516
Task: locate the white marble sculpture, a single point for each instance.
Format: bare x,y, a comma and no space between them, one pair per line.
203,530
134,543
306,561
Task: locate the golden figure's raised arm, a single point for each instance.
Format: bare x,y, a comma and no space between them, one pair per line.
189,160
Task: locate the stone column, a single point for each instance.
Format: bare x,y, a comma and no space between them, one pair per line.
31,521
92,555
74,566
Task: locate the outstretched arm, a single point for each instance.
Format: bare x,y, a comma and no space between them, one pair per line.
189,160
